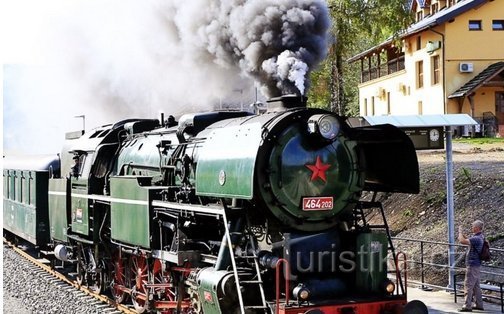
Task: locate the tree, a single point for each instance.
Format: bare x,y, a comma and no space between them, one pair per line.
356,26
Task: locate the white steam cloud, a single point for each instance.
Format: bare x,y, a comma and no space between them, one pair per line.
117,59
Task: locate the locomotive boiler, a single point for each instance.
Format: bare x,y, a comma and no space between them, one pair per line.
234,212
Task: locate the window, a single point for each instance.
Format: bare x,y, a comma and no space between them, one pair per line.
419,67
389,111
6,183
21,188
475,25
372,106
498,25
17,184
365,107
32,191
418,43
436,72
420,108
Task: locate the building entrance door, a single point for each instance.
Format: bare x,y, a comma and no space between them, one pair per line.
499,112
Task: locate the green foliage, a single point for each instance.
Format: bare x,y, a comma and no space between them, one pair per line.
467,174
464,179
408,212
356,26
480,141
318,94
436,198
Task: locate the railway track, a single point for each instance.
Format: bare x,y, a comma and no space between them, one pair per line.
39,267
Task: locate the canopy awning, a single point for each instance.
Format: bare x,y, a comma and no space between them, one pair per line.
411,121
485,76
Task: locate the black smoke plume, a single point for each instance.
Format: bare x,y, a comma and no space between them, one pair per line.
277,42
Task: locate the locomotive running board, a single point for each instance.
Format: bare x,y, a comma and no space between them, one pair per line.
210,210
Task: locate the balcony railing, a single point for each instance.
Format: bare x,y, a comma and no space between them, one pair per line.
390,67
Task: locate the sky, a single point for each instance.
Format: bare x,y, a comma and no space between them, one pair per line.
115,59
66,59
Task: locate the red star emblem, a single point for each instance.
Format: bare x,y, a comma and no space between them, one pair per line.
318,169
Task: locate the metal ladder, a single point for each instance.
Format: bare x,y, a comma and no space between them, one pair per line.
255,258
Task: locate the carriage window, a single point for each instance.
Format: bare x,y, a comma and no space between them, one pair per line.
32,191
17,184
14,186
25,180
6,184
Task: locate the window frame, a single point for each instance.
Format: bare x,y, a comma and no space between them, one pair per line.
419,74
436,69
475,22
498,22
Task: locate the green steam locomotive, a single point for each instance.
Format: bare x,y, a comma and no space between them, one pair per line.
224,212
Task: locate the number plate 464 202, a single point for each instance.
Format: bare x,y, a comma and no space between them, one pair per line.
317,203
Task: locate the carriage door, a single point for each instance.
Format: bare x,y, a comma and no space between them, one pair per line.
499,112
80,196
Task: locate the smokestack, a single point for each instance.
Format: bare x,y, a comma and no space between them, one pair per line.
286,102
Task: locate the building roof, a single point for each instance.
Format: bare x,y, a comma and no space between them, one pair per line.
440,17
431,120
484,76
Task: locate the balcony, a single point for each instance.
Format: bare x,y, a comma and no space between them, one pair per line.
392,66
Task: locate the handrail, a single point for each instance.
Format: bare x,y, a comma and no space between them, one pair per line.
404,287
422,263
286,271
441,243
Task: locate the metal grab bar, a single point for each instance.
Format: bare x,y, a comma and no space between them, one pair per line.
286,271
404,287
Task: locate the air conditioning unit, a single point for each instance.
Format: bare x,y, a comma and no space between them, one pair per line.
466,67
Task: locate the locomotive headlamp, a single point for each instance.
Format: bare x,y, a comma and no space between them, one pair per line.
389,286
301,292
326,125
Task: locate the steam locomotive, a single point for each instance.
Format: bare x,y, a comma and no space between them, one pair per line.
224,212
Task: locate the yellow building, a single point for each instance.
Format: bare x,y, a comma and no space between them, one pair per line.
451,61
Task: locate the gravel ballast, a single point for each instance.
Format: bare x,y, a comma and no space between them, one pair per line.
26,290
